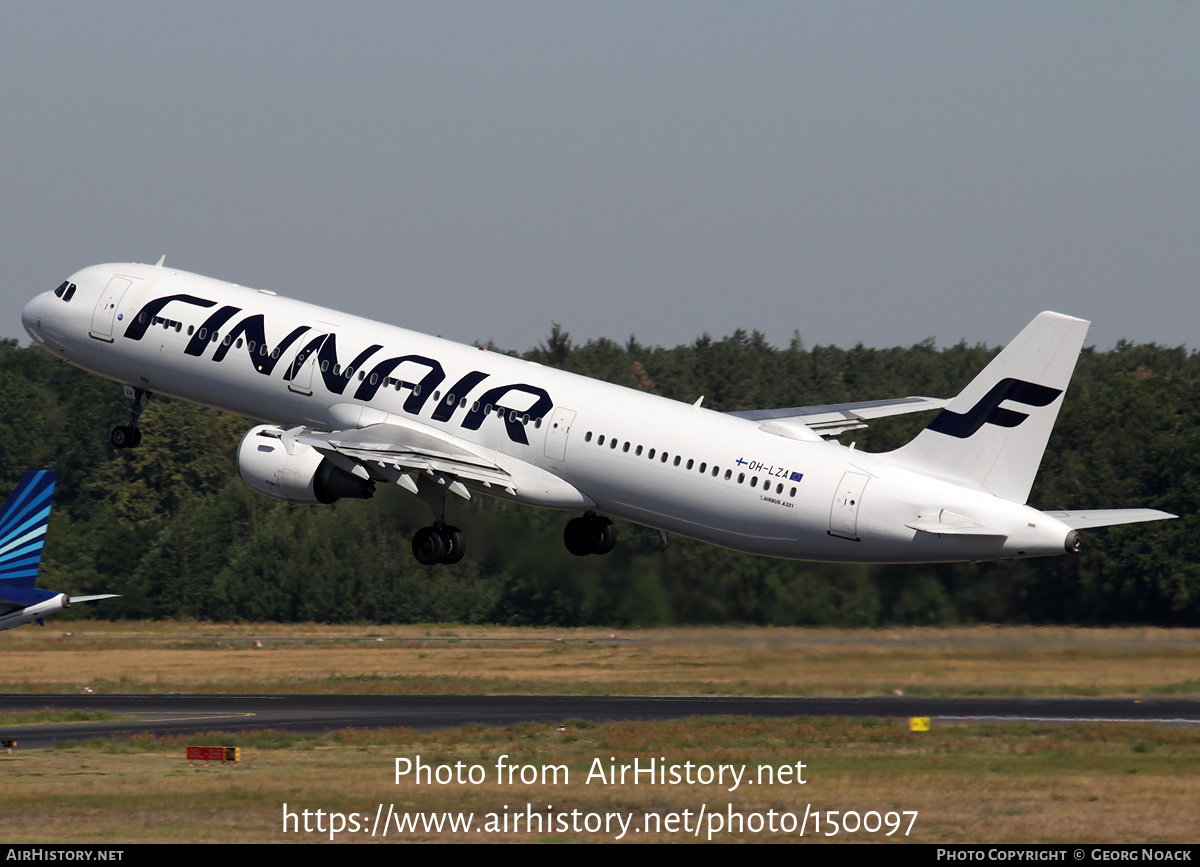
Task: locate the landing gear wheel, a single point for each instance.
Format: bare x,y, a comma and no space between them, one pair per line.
127,436
580,536
607,533
428,546
456,544
123,437
590,534
439,544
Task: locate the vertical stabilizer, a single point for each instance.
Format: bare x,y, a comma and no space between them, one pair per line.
992,436
23,522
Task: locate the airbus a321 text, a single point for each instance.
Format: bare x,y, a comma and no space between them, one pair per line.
348,404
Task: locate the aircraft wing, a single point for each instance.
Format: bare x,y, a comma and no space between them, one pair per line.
1087,518
390,449
837,418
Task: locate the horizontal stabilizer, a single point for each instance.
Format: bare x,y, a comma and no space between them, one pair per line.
837,418
1108,517
75,599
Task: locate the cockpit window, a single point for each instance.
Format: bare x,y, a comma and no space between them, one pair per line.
61,289
66,291
70,293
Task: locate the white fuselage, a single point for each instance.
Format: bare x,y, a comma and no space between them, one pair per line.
724,479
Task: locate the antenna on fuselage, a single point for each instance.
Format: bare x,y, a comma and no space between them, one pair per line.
161,259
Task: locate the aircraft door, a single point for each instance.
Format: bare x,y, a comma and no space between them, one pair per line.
843,514
302,368
106,307
560,420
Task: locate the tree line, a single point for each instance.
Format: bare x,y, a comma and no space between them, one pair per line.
171,527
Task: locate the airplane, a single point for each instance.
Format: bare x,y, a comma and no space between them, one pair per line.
346,404
23,522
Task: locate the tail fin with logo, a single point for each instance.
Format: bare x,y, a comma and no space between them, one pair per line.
992,436
23,523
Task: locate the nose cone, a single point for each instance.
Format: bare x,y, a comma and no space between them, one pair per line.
38,317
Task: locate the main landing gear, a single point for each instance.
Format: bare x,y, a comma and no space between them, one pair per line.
129,436
590,534
439,542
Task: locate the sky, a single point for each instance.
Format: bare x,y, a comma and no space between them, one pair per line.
865,172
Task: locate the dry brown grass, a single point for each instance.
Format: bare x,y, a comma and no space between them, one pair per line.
305,658
1082,784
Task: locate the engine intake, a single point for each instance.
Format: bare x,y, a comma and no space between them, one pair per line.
304,476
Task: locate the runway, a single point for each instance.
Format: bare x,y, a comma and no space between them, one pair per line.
314,714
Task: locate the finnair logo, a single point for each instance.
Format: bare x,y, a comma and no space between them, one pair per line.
988,411
373,371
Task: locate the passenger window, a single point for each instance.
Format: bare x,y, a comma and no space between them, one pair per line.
689,463
702,466
600,440
728,475
625,448
651,454
676,460
741,478
587,437
638,451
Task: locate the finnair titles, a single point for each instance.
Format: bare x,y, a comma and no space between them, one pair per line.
346,404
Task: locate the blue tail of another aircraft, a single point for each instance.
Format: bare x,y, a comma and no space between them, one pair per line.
23,523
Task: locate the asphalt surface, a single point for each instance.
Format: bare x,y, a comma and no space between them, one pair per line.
313,714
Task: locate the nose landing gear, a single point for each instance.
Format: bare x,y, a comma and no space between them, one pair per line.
130,436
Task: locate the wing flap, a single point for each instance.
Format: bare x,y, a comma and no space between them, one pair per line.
407,449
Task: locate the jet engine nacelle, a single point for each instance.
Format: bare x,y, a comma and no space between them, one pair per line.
303,476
